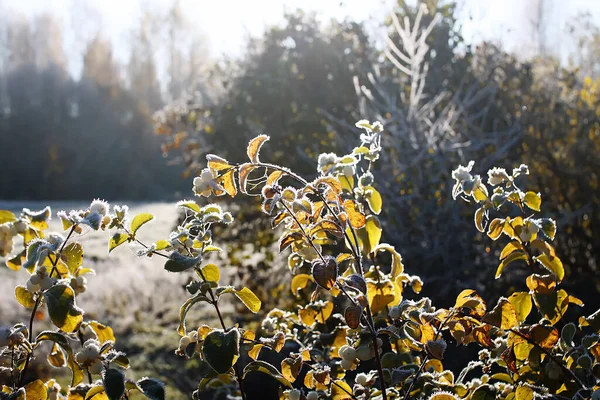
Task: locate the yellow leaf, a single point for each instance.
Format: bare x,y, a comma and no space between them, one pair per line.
24,297
380,294
510,248
524,393
254,147
116,240
299,282
370,234
254,351
290,368
227,181
495,228
397,266
511,258
479,219
468,298
522,303
140,220
274,177
346,182
217,163
552,264
544,284
533,200
373,199
104,332
243,173
249,299
36,390
7,216
340,390
325,312
211,273
503,316
356,217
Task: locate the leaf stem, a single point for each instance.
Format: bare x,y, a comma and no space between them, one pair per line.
552,357
426,358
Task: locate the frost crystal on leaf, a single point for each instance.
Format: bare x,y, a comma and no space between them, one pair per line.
497,176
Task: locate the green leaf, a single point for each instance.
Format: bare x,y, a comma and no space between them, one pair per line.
533,200
152,388
221,350
24,297
266,368
114,383
72,254
522,303
7,216
116,240
179,263
552,264
140,220
61,340
484,392
63,311
509,259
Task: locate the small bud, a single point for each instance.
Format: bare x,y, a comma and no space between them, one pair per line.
348,365
347,353
361,379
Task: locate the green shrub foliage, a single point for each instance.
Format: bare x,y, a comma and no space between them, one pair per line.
356,336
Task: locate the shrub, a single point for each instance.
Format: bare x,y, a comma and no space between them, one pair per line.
357,335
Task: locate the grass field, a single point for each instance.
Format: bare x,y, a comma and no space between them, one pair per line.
135,296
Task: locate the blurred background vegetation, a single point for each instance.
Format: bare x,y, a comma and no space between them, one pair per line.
126,130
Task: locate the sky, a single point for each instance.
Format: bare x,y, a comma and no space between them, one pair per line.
226,23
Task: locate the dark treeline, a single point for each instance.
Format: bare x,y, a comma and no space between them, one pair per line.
67,138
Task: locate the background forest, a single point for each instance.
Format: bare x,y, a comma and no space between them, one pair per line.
127,131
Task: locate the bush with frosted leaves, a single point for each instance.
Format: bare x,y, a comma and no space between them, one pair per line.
357,336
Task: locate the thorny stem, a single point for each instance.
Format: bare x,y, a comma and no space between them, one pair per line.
39,300
310,365
426,358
